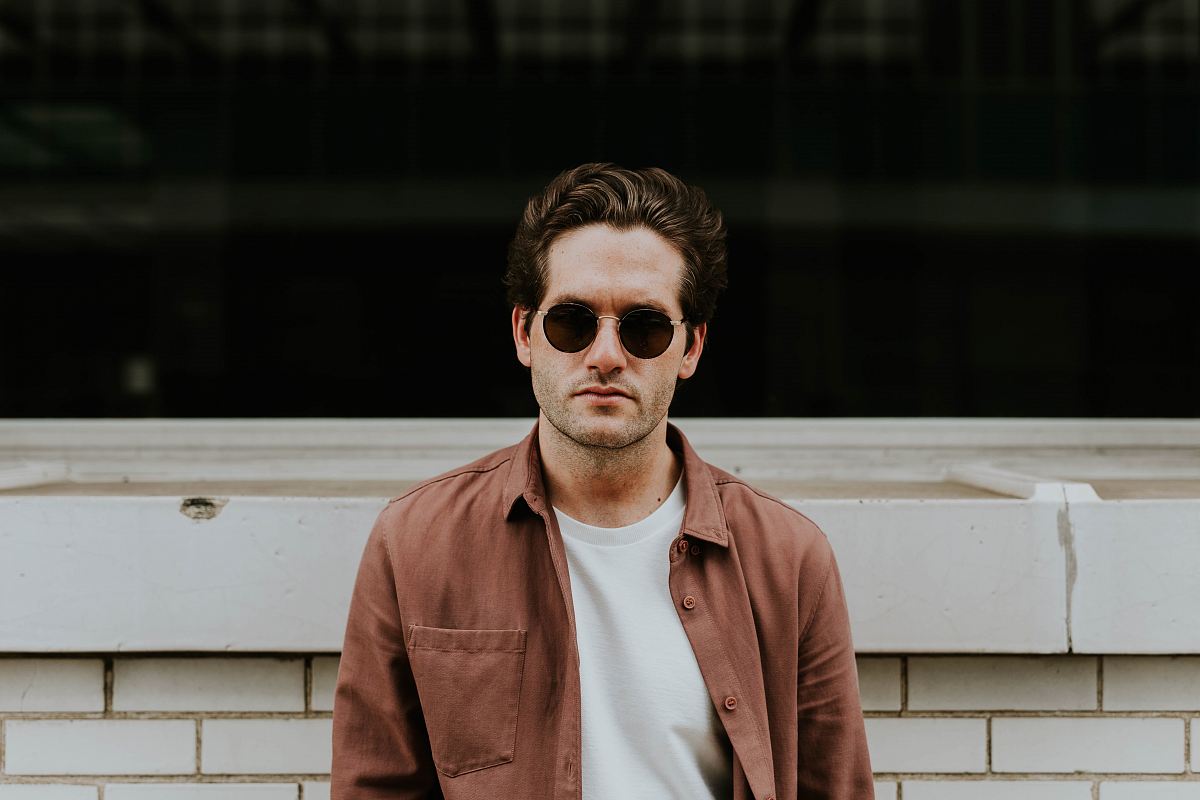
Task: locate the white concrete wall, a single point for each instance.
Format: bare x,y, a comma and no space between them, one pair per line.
1003,575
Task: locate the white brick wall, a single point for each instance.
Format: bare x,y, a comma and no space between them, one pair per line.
99,747
915,744
1075,744
1159,790
1151,683
196,791
48,792
997,790
255,746
879,683
969,683
316,790
884,790
208,684
324,679
940,727
51,684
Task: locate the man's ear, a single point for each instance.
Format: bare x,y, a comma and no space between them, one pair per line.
520,337
691,359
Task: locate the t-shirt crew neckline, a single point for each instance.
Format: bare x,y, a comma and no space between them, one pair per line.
666,513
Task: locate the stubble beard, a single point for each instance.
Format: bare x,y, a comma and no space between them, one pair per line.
601,442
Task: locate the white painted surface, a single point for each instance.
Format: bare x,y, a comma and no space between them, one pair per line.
879,683
201,791
208,684
275,573
1151,683
99,747
1032,575
316,790
1145,790
324,680
51,684
952,575
884,790
1070,744
911,744
266,746
1015,683
49,791
1138,584
997,790
120,574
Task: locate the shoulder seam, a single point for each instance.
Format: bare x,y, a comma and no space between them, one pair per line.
458,473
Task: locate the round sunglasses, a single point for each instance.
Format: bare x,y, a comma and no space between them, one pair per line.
644,332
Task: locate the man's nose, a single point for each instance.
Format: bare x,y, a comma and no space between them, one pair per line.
606,353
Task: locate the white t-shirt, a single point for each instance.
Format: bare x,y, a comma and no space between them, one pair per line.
649,727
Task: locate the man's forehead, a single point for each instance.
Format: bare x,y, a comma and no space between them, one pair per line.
623,302
628,268
591,288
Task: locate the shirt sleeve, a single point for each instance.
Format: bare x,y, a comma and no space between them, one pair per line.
380,744
833,761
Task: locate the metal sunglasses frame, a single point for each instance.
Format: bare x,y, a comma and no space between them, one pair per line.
541,313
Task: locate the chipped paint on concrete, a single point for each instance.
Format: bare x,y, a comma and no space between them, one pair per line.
200,508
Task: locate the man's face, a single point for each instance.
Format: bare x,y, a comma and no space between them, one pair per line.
611,272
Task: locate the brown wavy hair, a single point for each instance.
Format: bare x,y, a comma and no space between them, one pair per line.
622,198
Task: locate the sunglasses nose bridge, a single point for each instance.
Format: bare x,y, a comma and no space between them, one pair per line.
616,329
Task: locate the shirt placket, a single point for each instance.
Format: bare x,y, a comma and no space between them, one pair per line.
569,785
716,667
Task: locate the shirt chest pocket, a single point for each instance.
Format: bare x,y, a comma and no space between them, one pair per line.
469,683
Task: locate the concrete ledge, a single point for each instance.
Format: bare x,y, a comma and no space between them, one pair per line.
245,535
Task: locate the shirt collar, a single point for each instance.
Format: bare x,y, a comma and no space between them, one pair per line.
703,518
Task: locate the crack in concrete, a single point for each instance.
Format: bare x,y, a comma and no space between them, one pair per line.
1066,539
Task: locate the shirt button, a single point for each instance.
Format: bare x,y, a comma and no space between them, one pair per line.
683,545
731,703
689,602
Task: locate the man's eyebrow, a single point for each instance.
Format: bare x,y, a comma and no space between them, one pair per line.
654,304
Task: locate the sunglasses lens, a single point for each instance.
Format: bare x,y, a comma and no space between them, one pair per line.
646,333
569,328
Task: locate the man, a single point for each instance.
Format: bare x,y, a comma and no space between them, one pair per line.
596,612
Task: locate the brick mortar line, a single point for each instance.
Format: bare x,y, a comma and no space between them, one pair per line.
1020,777
987,745
176,779
1187,746
1004,713
317,777
308,684
98,716
278,655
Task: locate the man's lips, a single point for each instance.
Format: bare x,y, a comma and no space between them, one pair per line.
603,390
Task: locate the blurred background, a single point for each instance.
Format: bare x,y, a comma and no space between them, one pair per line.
244,208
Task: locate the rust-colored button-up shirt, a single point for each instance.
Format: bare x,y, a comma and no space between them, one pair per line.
459,675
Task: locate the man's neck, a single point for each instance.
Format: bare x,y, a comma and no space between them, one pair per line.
607,487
